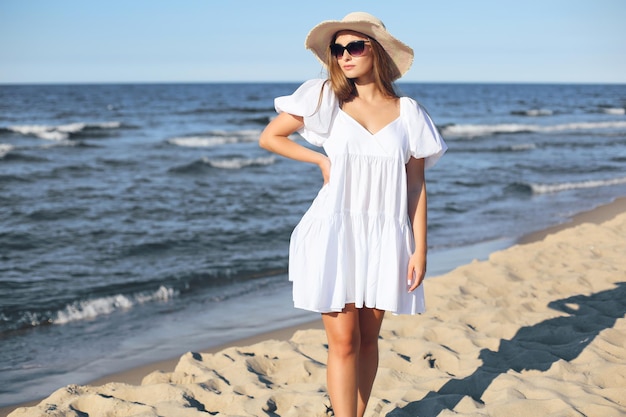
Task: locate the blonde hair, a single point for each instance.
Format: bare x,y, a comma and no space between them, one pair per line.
383,68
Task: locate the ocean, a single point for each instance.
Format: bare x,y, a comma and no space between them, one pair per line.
142,221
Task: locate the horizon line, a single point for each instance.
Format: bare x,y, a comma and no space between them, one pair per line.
51,83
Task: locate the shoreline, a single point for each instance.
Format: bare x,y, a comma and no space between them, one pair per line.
597,215
135,375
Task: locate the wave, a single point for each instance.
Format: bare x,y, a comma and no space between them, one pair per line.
518,147
239,163
10,152
59,143
55,214
522,147
555,188
84,310
14,154
219,281
202,165
90,309
5,148
533,112
195,167
613,110
61,132
226,109
471,131
507,148
217,138
13,178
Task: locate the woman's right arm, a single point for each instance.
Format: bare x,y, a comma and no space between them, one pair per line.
275,138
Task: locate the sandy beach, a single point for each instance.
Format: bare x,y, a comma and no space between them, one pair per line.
538,329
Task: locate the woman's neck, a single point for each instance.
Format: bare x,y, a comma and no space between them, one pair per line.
368,91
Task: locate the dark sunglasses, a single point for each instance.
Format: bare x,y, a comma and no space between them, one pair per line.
354,48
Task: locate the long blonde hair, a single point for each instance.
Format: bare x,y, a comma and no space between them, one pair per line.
383,68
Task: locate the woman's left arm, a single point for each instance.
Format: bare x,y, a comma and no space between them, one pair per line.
417,209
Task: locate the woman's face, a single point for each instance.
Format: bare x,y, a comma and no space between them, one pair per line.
355,67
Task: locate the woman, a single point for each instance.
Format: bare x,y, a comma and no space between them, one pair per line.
360,249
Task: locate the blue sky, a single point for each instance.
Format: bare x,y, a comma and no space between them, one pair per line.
228,40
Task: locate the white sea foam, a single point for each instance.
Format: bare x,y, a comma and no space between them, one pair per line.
215,139
535,112
555,188
583,126
5,148
201,141
540,112
42,132
58,143
614,110
238,163
523,147
60,132
90,309
470,131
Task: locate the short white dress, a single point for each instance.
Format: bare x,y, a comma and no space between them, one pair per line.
354,243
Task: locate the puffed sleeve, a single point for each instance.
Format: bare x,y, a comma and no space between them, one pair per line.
317,111
424,138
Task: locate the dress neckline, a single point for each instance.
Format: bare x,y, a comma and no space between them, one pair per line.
379,130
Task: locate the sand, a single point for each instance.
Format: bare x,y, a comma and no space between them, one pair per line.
538,329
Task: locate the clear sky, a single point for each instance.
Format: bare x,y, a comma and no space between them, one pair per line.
262,40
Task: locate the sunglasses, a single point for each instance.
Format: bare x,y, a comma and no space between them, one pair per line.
354,48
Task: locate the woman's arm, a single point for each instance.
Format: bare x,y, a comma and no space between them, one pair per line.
417,207
275,138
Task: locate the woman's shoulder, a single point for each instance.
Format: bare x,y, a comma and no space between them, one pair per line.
407,101
316,103
411,108
425,141
310,97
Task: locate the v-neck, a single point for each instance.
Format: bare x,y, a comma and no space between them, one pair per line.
366,129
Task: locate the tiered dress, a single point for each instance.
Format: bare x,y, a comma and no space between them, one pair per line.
354,243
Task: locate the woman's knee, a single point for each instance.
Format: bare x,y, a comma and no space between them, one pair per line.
368,346
370,322
343,334
346,344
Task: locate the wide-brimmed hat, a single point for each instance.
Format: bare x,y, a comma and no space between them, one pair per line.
319,38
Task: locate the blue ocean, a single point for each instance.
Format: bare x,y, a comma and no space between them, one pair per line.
142,221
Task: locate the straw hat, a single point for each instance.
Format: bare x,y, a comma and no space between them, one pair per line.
319,38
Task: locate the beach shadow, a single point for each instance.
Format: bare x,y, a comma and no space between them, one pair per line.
534,347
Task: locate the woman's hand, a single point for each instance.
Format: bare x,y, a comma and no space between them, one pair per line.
416,271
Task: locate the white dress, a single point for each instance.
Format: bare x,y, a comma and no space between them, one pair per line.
354,243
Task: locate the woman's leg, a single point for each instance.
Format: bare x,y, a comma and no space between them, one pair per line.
343,333
352,357
370,320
